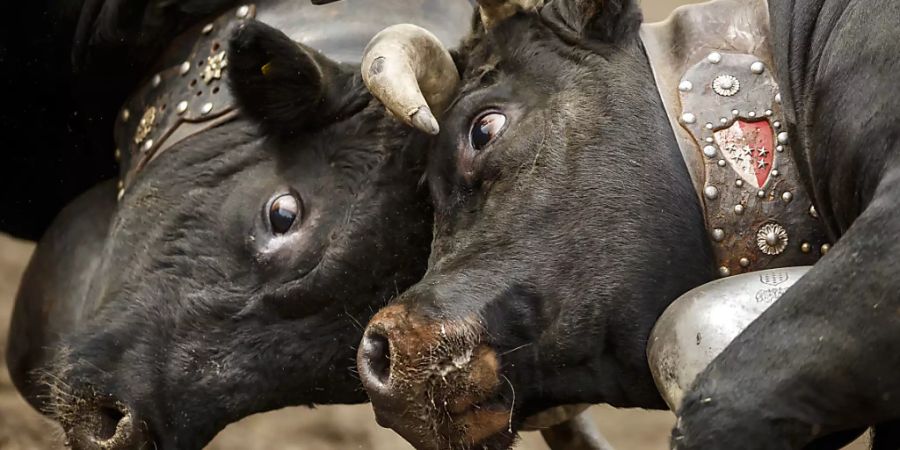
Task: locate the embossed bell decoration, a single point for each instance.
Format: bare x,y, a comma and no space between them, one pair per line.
697,326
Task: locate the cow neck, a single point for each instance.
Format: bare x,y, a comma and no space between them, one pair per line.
713,68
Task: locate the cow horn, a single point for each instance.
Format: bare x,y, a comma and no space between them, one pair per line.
412,73
494,11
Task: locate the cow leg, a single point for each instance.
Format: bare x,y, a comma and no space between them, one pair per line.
822,359
886,436
577,433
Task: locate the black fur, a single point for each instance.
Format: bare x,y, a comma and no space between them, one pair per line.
288,87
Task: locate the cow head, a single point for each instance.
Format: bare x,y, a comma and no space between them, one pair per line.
240,266
565,222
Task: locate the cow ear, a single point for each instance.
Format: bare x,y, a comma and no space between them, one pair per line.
287,87
603,20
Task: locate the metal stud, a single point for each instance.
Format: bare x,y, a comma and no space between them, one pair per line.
724,271
769,112
718,234
739,182
126,114
757,67
735,112
813,212
185,68
206,108
243,11
825,248
119,194
181,107
117,154
776,124
148,144
721,163
752,113
711,192
714,57
787,196
778,97
783,137
709,140
771,238
760,193
157,79
723,120
739,209
779,148
709,125
744,262
688,118
775,172
207,28
805,247
685,86
709,151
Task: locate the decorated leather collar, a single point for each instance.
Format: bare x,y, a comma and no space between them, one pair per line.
186,96
713,67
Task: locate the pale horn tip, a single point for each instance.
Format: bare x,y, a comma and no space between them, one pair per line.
425,121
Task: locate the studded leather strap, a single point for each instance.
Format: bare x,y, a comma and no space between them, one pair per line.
186,96
713,67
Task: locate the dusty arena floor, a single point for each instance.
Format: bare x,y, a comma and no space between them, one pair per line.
325,428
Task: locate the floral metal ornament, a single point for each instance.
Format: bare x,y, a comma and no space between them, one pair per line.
145,126
215,65
726,85
771,239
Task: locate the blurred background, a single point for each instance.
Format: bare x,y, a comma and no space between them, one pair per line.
324,428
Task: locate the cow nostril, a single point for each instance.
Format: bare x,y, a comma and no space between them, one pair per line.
108,422
377,357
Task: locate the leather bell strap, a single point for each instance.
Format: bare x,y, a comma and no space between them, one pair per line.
712,64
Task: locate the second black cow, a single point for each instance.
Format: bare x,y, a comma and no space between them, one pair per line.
567,220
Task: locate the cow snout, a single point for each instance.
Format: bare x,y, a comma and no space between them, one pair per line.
104,425
432,381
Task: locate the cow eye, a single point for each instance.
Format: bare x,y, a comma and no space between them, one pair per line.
485,128
285,210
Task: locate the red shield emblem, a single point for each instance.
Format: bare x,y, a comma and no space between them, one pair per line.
749,147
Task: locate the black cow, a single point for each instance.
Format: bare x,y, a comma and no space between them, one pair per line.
566,221
235,273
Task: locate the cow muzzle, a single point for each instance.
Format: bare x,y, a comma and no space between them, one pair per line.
435,383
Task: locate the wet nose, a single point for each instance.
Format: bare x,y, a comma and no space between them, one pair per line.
379,350
375,361
106,425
